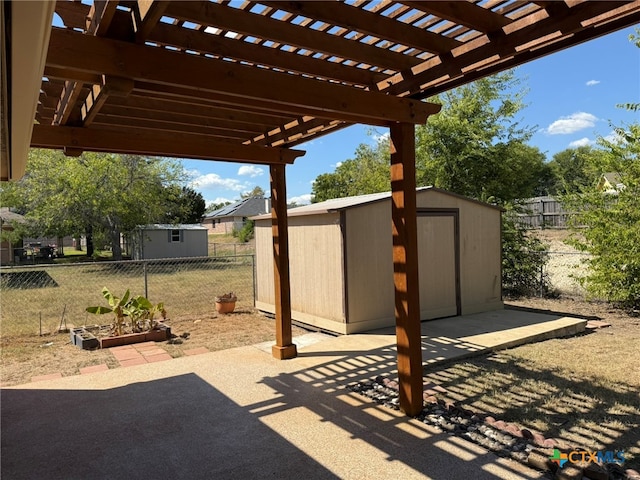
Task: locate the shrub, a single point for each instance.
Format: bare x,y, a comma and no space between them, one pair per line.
524,258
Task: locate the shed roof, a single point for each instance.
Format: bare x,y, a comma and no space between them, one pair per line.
247,207
339,204
168,226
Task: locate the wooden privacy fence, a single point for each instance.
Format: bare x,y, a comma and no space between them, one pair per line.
542,212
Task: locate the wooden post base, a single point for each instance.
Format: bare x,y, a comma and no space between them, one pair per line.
284,353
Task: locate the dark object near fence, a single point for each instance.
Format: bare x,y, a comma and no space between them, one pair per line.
27,279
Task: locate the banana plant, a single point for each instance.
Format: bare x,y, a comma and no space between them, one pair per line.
141,313
117,306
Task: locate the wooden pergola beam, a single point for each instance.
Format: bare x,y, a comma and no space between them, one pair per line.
498,46
73,50
463,13
178,145
146,15
405,267
100,16
231,115
222,46
255,25
284,347
371,23
116,86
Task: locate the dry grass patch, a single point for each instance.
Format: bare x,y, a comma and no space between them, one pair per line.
581,390
26,356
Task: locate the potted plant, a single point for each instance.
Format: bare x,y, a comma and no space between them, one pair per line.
226,303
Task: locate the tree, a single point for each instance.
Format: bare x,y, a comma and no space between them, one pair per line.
367,173
96,194
607,225
184,205
256,192
216,206
475,147
573,170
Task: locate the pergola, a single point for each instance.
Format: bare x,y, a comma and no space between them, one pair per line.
247,81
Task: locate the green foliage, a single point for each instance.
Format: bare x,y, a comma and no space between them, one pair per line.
216,206
475,147
256,192
95,192
573,169
138,310
607,225
184,205
367,173
246,232
116,307
523,260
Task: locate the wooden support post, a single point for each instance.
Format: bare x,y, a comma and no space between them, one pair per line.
284,347
405,267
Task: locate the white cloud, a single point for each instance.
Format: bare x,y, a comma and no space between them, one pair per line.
591,83
583,142
572,123
214,180
613,137
300,200
336,165
250,170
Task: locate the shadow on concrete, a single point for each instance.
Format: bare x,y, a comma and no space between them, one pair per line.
175,428
309,426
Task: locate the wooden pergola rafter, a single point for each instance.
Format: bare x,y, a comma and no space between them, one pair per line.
246,81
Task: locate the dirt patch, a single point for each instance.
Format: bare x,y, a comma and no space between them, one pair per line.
27,356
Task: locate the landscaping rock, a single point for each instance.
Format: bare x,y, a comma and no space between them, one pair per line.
593,471
569,472
539,461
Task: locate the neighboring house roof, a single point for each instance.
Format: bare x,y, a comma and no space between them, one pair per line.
610,182
6,215
338,204
168,226
247,207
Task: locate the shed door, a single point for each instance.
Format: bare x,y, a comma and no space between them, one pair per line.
438,275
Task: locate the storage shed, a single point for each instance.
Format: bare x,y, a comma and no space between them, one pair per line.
341,266
169,241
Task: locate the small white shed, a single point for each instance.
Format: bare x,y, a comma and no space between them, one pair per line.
341,263
170,241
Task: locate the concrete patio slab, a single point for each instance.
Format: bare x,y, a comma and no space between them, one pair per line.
239,414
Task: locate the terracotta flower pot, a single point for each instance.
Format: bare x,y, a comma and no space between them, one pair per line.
226,303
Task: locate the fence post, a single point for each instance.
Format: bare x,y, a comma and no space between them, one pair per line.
541,278
146,287
255,280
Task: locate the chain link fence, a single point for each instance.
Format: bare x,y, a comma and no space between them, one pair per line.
561,273
35,298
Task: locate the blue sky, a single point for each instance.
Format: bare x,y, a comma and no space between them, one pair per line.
572,98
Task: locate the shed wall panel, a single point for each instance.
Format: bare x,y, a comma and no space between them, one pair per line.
315,266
